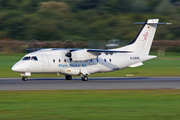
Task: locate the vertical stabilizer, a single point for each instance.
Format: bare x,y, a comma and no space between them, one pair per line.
142,43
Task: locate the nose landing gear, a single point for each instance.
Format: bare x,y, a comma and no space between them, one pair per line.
25,74
24,78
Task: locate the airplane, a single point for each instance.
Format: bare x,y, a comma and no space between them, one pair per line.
83,62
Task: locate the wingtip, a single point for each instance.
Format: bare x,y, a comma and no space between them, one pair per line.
168,23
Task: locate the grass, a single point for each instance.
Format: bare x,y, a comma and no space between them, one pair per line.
93,104
151,68
90,105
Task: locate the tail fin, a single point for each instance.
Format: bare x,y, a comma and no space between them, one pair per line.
142,43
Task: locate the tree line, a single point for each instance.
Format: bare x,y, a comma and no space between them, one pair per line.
84,20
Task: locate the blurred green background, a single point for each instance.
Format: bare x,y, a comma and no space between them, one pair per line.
87,23
84,20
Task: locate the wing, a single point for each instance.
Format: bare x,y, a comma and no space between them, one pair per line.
107,51
87,54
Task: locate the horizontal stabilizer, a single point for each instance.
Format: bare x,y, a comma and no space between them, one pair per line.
152,21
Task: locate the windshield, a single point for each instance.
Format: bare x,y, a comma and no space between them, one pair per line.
34,58
30,58
26,58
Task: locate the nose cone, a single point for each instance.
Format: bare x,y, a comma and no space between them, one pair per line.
18,67
15,67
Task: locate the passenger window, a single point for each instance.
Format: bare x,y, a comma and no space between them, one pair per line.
53,60
26,58
59,60
64,60
104,60
34,58
97,60
109,60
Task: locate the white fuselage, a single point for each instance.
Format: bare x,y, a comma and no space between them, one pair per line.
55,61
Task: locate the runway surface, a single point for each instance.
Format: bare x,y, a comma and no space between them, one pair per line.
93,83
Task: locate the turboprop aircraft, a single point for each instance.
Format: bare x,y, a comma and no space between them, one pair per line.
84,62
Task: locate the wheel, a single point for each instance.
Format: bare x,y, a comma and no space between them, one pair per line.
24,78
68,77
82,78
85,78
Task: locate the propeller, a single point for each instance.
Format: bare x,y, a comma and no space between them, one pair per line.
33,45
69,44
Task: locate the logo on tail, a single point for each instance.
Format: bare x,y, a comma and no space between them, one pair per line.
145,35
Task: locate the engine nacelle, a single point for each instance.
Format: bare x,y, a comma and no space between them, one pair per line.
81,55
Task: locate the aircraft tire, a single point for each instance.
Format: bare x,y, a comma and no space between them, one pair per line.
85,78
24,78
68,77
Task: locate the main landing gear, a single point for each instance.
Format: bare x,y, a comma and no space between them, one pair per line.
84,78
24,78
68,77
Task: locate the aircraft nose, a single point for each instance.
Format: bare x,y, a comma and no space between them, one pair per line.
15,67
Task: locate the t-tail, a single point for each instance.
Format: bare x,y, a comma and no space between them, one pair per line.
143,41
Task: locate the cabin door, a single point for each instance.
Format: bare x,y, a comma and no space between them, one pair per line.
45,62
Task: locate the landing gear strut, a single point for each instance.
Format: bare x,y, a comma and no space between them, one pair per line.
24,78
84,78
68,77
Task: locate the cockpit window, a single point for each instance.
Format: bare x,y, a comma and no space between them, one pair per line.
30,58
26,58
34,58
